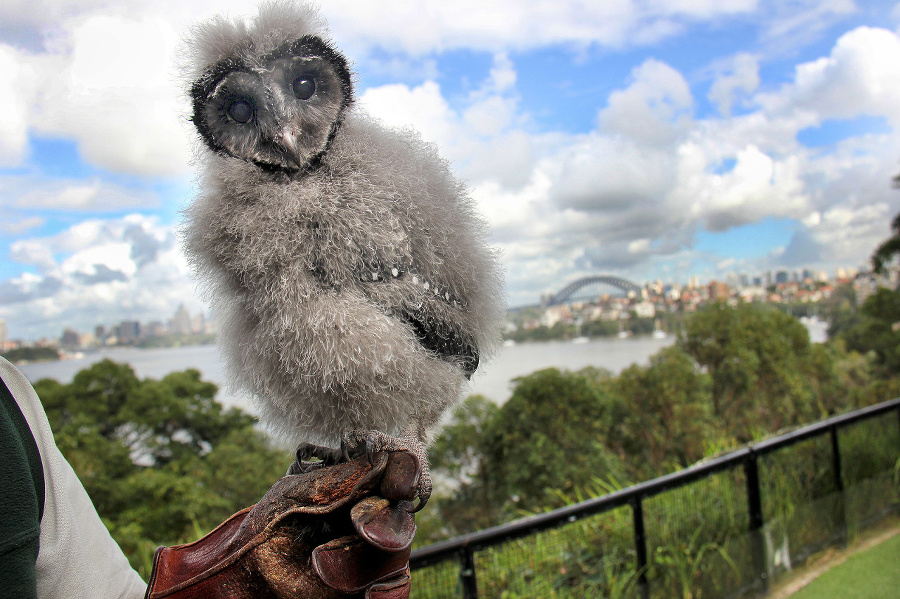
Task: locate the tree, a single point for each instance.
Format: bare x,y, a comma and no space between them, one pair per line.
550,435
890,247
877,331
162,461
462,473
759,359
667,413
840,310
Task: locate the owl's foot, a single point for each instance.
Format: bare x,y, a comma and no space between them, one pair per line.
372,442
312,457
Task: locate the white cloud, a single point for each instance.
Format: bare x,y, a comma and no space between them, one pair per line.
741,78
432,25
98,272
634,192
17,90
805,18
114,92
757,187
93,194
627,196
33,253
859,77
21,225
653,109
422,107
485,136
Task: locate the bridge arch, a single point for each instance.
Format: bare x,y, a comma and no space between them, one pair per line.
574,287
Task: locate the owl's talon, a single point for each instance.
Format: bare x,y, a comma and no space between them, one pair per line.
345,449
423,499
309,457
370,452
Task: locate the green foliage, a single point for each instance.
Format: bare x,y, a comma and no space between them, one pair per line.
874,331
683,565
550,435
738,373
889,249
31,354
458,465
666,413
840,310
163,462
760,361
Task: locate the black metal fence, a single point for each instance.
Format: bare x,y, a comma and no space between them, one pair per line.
724,528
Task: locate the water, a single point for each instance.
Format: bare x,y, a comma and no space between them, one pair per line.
492,380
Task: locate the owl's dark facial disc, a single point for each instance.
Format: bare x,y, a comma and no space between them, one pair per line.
280,112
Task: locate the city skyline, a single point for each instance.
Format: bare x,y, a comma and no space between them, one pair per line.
184,322
650,141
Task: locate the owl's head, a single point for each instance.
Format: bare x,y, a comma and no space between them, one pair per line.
273,92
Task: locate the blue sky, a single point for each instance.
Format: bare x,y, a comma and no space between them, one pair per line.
651,141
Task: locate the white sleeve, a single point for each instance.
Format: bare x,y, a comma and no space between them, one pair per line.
78,558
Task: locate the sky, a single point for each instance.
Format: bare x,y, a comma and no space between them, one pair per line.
648,140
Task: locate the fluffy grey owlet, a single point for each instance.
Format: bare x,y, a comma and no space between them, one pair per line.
347,267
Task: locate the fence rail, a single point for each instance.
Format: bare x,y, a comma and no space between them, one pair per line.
747,459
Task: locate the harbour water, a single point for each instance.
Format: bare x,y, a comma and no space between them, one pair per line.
493,379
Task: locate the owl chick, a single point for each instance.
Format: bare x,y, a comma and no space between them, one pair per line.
348,269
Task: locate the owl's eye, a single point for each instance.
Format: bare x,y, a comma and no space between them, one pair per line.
241,111
304,87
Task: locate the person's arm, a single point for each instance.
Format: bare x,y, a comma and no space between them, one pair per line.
77,556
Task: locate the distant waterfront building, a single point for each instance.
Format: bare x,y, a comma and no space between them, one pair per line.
70,339
644,310
155,329
181,322
128,331
3,335
200,324
718,291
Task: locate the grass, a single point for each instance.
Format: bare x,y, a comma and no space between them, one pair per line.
869,574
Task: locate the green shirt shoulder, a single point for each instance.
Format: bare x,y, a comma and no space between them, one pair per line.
22,498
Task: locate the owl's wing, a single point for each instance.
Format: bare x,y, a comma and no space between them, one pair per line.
426,307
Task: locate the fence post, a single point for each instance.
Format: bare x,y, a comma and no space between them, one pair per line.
640,544
755,513
836,460
467,573
838,482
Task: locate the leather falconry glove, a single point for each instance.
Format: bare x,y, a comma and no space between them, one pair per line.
331,531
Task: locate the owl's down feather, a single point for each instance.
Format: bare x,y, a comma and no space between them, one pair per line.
348,269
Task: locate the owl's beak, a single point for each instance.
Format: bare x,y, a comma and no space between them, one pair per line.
289,140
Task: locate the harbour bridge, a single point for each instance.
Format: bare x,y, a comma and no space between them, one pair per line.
570,290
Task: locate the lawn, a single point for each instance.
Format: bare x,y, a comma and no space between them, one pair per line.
873,573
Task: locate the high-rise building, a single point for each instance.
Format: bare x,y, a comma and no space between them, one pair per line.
70,339
128,331
181,322
3,335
